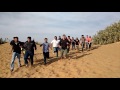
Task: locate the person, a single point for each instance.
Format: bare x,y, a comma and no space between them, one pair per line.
55,43
77,44
16,52
86,42
59,38
69,44
63,45
73,43
82,42
89,42
29,47
46,47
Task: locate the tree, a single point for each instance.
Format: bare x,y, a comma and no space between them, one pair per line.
110,34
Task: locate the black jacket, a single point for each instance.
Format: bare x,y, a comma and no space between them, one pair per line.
64,43
16,47
29,46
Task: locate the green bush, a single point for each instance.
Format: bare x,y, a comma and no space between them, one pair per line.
110,34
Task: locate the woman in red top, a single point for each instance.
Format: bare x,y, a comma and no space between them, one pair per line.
89,42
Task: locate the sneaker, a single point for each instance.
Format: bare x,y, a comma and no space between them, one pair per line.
26,65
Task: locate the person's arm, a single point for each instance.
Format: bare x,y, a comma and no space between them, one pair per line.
68,42
41,45
51,43
11,43
35,46
79,42
50,46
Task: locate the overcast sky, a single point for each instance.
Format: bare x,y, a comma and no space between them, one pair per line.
39,25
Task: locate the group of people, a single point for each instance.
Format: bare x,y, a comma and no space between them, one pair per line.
58,44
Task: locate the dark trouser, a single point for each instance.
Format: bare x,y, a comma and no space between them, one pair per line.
68,49
89,45
27,54
56,50
73,46
46,55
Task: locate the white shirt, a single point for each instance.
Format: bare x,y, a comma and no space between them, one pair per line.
55,43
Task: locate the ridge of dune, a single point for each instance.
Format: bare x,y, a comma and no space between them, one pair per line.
102,62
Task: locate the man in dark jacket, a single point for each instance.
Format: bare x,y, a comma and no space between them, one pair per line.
63,44
29,47
16,52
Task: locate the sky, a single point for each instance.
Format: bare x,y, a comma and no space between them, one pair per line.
40,25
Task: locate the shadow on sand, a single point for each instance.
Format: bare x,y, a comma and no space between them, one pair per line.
72,55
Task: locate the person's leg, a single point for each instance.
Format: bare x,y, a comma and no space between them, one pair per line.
82,46
65,53
56,51
73,46
26,57
67,50
77,48
90,45
47,55
62,51
53,50
12,62
31,57
18,56
86,45
44,54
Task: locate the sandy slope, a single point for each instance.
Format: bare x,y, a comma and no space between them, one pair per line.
102,62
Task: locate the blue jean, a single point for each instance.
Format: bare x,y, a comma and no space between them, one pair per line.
13,59
56,51
27,54
73,46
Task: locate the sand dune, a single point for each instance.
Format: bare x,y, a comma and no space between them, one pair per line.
102,62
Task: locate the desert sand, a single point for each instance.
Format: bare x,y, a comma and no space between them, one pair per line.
101,62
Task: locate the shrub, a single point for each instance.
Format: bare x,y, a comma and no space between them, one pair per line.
110,34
